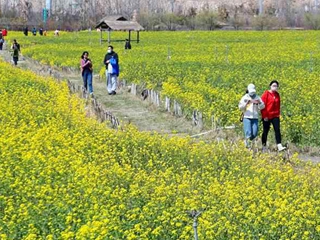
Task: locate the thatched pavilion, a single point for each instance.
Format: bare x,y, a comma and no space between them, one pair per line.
118,23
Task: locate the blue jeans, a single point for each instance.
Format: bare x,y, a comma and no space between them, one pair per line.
87,80
250,127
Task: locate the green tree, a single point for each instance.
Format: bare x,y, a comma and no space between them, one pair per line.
208,20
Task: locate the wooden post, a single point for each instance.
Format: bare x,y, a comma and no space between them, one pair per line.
175,107
179,109
149,95
138,35
154,97
129,36
167,104
158,99
200,125
100,36
134,89
108,36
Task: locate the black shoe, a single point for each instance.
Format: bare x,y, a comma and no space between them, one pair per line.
110,93
113,93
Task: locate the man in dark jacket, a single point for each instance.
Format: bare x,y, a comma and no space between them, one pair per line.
127,44
111,60
25,31
16,49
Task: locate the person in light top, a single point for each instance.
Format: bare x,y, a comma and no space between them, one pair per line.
86,71
271,114
111,61
250,104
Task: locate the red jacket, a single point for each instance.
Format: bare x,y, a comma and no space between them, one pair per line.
272,104
4,32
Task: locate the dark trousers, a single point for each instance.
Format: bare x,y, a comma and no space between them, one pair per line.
1,46
15,60
266,127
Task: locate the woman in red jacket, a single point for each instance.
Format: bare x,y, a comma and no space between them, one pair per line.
270,114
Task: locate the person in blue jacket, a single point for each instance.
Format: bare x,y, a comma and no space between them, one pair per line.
111,60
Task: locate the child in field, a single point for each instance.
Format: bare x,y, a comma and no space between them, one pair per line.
250,104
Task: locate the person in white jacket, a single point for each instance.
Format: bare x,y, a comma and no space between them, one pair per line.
250,104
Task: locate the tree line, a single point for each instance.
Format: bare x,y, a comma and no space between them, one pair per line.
164,14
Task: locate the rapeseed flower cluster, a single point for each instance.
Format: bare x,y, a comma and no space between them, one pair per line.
66,176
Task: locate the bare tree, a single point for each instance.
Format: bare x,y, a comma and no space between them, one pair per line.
25,9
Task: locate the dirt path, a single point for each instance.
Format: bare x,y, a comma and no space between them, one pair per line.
126,107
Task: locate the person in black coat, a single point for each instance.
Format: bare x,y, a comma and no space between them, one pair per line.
25,31
127,44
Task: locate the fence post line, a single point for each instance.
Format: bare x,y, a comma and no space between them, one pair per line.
167,104
179,109
158,99
200,120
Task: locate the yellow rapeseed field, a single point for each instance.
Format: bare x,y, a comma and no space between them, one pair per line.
66,176
208,71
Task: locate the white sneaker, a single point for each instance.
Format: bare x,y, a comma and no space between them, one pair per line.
280,147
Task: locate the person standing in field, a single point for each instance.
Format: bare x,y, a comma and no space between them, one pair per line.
127,45
250,104
86,71
111,60
16,49
34,31
4,32
25,31
271,115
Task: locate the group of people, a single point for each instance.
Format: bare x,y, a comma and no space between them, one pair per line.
111,61
269,106
34,31
250,104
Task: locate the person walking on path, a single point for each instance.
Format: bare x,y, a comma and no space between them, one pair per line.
16,49
86,71
271,115
111,60
250,104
